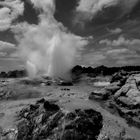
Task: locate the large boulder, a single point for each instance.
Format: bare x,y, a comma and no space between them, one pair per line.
46,120
130,92
127,100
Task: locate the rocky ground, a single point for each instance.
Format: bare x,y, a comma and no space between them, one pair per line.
92,108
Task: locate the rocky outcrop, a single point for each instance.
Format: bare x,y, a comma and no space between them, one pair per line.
9,134
103,70
120,136
129,94
13,74
123,99
120,77
104,93
127,100
46,120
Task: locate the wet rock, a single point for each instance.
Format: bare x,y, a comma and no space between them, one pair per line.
49,121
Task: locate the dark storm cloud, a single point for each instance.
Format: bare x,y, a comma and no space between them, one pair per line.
30,14
104,9
7,36
105,20
85,16
135,11
65,11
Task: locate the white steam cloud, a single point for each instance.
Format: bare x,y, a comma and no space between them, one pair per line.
48,47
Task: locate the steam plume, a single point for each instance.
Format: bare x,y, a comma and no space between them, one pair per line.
48,47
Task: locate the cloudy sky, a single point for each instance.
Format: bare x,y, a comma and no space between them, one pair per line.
111,27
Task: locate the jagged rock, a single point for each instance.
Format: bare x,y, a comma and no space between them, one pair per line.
65,83
104,93
41,101
120,76
9,134
50,107
45,120
130,91
125,137
127,100
99,95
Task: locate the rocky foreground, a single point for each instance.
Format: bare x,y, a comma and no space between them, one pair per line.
122,96
46,120
43,109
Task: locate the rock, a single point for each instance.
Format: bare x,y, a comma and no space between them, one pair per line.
127,100
9,134
41,101
120,76
51,122
50,107
130,91
122,135
123,100
65,83
104,93
98,95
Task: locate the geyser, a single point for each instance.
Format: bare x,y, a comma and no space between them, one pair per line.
49,48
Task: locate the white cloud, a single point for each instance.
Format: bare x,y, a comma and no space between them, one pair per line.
120,41
6,49
93,58
124,50
20,29
14,54
115,31
6,45
10,11
111,57
3,54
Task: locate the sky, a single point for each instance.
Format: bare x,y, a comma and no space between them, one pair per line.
111,28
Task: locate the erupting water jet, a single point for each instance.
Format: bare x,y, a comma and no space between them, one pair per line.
48,47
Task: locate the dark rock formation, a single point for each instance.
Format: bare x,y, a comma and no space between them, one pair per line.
46,120
63,83
13,74
103,70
